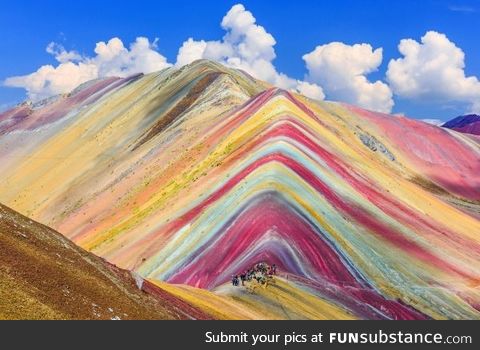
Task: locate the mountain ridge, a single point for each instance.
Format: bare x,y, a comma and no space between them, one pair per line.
45,276
469,124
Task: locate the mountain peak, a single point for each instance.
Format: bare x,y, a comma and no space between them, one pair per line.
468,124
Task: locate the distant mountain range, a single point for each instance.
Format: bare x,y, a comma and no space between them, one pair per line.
189,176
468,124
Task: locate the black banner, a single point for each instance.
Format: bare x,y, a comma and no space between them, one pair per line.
242,334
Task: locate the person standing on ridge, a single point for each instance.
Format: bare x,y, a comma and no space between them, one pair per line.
243,277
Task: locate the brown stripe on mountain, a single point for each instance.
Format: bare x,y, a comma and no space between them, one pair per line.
180,108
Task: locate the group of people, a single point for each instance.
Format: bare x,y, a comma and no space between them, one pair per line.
261,273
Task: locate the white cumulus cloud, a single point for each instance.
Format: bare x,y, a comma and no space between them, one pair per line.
111,58
341,71
248,46
433,70
190,51
310,90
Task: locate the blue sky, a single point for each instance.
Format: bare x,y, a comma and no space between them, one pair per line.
298,27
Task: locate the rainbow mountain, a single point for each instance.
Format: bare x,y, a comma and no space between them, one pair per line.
189,176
